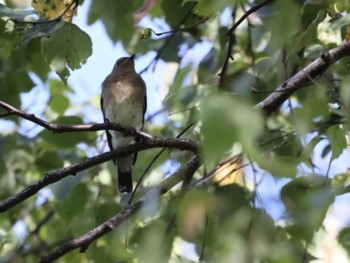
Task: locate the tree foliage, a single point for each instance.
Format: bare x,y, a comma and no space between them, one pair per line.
269,98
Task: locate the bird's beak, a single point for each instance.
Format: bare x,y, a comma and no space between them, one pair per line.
132,57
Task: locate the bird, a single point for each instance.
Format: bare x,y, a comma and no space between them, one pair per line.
123,101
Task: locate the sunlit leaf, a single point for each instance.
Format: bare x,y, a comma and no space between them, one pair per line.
53,9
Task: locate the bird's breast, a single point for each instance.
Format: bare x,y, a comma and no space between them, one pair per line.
123,103
121,92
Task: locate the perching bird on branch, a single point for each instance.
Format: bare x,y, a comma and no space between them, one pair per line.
123,101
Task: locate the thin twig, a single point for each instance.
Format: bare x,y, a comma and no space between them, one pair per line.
201,256
180,29
165,45
231,42
153,161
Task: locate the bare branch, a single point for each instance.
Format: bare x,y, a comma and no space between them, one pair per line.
167,43
231,42
231,38
180,29
60,128
303,78
85,240
153,161
58,174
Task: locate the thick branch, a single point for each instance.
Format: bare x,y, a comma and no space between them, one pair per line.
304,77
58,174
85,240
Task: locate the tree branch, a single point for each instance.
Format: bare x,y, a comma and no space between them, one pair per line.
231,42
231,38
180,29
303,78
60,128
85,240
58,174
167,42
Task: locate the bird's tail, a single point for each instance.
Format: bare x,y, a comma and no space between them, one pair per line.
124,174
124,181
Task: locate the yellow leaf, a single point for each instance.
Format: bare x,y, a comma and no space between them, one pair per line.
52,9
347,36
230,172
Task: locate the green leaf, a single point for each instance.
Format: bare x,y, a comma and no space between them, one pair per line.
278,166
68,46
228,120
173,95
283,29
47,161
209,7
191,216
58,87
152,236
117,17
309,148
8,38
75,202
337,139
13,82
28,58
174,12
307,200
106,210
308,36
59,103
174,45
224,208
342,6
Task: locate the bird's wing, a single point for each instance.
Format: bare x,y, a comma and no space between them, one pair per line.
144,108
143,119
109,136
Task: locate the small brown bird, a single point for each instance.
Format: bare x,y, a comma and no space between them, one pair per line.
123,101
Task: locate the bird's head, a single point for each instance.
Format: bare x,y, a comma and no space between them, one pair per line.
125,64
